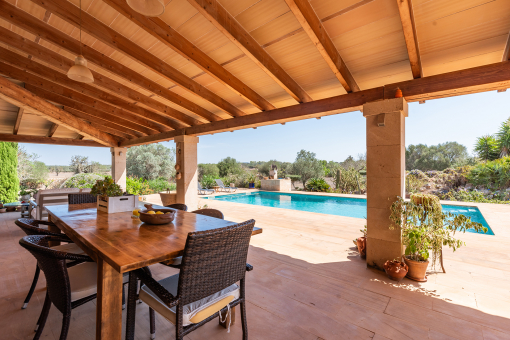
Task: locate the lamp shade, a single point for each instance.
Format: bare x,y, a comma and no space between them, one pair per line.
149,8
79,71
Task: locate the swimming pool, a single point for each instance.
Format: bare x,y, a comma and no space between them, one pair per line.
341,206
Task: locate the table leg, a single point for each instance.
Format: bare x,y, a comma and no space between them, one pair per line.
109,302
53,229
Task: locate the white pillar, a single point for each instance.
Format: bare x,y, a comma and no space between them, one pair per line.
119,166
385,176
186,171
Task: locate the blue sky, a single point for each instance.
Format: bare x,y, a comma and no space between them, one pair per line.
461,119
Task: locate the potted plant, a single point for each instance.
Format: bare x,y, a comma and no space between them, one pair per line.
361,243
110,198
425,229
396,269
251,182
167,197
25,194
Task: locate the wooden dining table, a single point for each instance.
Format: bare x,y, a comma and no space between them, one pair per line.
120,243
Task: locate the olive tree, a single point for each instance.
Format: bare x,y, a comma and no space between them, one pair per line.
151,161
307,166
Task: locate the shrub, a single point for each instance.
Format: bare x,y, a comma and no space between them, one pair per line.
317,184
208,170
81,181
416,179
228,166
150,161
307,166
493,174
475,196
137,186
9,182
349,181
208,181
160,184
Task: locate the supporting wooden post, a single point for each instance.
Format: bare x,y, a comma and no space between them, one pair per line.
119,166
385,176
186,171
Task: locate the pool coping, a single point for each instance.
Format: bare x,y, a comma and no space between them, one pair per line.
482,207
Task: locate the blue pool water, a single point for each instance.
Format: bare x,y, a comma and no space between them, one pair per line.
341,206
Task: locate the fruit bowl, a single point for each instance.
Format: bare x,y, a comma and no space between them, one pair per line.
166,216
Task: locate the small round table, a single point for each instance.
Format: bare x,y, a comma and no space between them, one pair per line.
216,188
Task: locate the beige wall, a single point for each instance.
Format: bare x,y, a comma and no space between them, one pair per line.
186,159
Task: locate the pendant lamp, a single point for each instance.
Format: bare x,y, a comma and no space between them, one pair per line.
149,8
79,71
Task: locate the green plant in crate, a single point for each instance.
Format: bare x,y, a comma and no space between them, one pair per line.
106,188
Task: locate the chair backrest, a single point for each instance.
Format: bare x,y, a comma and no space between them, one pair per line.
199,186
53,264
210,212
81,198
31,227
220,183
213,260
53,197
178,206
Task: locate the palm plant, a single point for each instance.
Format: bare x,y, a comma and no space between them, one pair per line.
503,136
487,148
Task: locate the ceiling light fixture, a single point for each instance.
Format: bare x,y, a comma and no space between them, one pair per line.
79,71
149,8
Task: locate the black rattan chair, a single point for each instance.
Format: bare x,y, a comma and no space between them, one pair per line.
36,227
176,261
210,212
178,206
61,275
81,198
213,262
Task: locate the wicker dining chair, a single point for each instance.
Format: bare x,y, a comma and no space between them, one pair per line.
176,261
210,212
81,198
36,227
69,284
178,206
212,264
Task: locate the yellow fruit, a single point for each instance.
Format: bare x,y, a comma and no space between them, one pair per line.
136,212
159,213
151,212
167,213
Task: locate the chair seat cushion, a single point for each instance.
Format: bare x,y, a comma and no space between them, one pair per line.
83,280
193,312
69,248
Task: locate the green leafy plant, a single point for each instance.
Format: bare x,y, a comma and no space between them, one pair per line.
208,181
106,188
492,174
24,191
425,228
137,186
81,181
317,184
487,148
251,178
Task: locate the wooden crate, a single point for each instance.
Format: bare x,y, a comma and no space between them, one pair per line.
117,204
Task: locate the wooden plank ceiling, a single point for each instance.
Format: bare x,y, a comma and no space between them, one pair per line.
216,65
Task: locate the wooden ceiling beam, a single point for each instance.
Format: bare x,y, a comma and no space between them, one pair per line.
105,110
229,26
313,27
92,114
506,51
60,62
405,9
171,38
47,140
474,80
21,97
19,116
71,14
51,34
52,129
99,124
148,117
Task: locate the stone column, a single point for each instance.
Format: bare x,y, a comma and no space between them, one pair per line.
119,166
385,176
186,171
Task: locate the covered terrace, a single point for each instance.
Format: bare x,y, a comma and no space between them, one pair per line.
208,66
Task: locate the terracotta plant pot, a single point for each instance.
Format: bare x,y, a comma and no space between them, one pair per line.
361,242
167,198
11,208
417,270
396,270
2,210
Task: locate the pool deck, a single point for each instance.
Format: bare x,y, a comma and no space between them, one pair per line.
308,282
